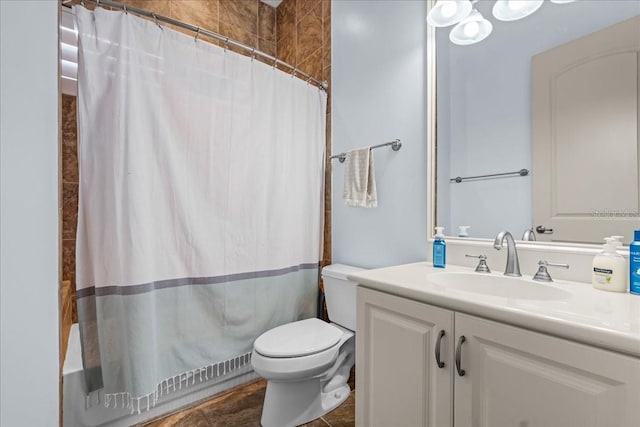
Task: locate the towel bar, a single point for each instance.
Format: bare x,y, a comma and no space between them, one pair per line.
395,146
459,179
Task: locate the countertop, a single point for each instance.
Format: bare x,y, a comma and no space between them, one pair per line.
604,319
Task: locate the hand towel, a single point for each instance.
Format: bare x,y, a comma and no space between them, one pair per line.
359,179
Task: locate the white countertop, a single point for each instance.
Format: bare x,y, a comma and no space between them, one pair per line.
604,319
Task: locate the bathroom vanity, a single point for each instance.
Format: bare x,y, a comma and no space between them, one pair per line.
452,347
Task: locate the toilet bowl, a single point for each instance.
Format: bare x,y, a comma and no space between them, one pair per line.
307,363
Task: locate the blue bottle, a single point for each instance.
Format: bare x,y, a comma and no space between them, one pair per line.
439,249
634,264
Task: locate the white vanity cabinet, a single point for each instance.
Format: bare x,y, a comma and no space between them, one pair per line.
397,377
512,376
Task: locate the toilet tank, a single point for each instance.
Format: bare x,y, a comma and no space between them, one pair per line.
340,294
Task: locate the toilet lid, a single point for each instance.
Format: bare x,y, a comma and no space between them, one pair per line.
300,338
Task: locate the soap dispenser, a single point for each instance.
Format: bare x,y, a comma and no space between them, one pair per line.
634,264
610,268
439,249
463,230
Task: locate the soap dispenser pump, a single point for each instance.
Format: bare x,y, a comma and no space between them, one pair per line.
610,268
439,249
463,230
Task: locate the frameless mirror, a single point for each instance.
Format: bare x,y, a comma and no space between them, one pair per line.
548,107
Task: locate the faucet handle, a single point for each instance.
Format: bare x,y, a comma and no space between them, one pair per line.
482,265
529,235
543,275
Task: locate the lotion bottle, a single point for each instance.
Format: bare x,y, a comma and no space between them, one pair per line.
610,268
634,264
439,249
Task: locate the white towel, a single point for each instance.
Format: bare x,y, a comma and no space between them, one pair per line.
359,179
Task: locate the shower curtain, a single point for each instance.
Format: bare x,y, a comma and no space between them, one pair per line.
200,205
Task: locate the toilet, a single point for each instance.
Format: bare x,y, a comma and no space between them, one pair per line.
307,363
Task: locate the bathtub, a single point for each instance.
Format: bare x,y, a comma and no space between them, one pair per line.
79,411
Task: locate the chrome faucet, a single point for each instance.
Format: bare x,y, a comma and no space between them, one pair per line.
513,266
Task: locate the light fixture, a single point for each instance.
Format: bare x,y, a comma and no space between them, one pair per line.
471,26
448,12
473,29
512,10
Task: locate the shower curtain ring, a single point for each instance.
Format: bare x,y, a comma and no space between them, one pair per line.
293,73
275,62
124,6
197,34
253,54
226,44
155,18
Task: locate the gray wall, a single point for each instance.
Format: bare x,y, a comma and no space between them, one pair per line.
484,98
29,213
378,92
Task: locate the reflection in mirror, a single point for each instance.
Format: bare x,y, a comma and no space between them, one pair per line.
484,126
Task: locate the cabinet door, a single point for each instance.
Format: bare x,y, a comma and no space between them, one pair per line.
397,377
515,377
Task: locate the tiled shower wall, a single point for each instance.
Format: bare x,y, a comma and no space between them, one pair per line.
298,32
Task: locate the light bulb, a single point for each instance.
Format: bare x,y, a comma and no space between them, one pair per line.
449,9
512,10
516,4
471,29
447,12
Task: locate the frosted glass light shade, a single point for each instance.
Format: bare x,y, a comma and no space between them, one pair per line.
448,12
562,1
473,29
512,10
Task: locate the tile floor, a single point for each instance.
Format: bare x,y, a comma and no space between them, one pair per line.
242,407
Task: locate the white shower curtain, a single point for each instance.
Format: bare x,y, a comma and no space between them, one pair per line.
201,200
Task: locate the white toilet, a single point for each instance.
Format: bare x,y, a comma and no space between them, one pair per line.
307,363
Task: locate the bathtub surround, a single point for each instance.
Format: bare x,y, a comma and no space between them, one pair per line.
69,178
29,214
187,248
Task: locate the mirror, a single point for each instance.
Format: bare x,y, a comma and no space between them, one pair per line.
488,122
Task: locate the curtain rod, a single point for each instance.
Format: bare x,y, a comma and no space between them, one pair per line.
197,30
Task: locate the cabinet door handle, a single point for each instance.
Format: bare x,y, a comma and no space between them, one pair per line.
461,371
438,361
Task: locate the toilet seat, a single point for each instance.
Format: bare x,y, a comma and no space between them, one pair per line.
298,367
298,339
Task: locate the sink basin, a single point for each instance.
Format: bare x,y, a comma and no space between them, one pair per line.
498,286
